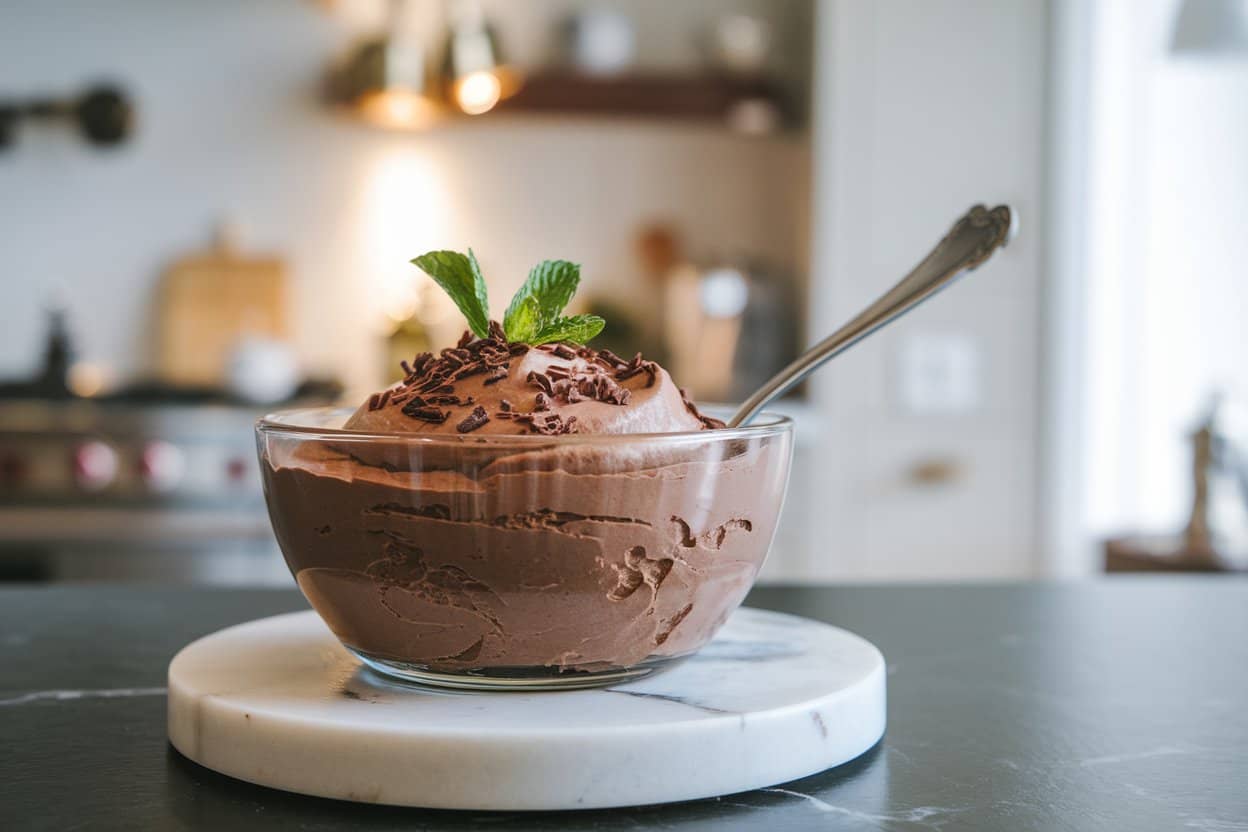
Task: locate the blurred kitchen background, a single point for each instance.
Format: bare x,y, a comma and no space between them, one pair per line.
208,209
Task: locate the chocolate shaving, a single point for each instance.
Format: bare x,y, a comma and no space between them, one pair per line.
430,374
473,420
652,370
568,390
551,424
378,400
435,384
639,365
428,384
494,357
611,359
453,400
426,414
472,368
602,388
421,363
540,381
708,422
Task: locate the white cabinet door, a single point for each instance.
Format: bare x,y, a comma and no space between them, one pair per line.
923,108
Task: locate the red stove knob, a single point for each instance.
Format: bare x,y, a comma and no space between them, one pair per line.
161,465
12,469
236,469
94,465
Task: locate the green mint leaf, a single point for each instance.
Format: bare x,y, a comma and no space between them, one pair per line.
578,329
552,283
460,277
524,320
483,299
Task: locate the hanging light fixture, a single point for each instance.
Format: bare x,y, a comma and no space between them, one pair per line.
474,73
1208,28
385,78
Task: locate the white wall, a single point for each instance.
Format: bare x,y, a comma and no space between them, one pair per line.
230,127
924,107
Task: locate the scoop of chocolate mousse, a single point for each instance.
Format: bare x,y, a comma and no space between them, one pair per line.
490,386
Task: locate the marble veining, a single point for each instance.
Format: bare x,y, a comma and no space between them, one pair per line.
70,695
279,702
679,700
1160,751
745,651
920,815
1216,825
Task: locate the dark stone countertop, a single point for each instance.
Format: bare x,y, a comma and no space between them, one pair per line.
1119,705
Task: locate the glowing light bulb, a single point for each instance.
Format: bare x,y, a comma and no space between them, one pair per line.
87,380
399,109
478,92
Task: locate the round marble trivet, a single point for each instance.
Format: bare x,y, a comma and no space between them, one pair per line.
280,703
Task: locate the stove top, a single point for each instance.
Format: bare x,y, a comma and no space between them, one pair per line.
110,453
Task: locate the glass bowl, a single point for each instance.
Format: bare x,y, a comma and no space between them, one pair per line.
531,562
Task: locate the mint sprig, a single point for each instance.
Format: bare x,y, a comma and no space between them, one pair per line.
551,283
524,319
460,277
535,314
578,329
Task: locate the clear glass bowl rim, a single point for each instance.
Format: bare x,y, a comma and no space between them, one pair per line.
289,423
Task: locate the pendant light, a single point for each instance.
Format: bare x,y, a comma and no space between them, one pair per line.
475,75
1211,28
385,79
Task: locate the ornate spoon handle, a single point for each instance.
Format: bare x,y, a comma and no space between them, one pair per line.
970,242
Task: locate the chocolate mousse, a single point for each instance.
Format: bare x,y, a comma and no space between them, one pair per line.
491,386
497,512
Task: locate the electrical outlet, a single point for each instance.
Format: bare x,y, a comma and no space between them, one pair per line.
940,373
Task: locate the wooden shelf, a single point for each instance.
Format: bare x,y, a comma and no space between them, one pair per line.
754,105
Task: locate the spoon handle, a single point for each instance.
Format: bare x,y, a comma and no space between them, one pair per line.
970,242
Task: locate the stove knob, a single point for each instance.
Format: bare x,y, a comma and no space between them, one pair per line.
12,469
161,465
94,465
236,470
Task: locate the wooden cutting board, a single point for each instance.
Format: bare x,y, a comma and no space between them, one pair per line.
208,301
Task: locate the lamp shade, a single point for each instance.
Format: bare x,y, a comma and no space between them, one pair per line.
1211,28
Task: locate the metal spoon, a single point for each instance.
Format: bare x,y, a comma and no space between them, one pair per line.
970,242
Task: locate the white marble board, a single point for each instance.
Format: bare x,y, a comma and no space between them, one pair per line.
773,698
